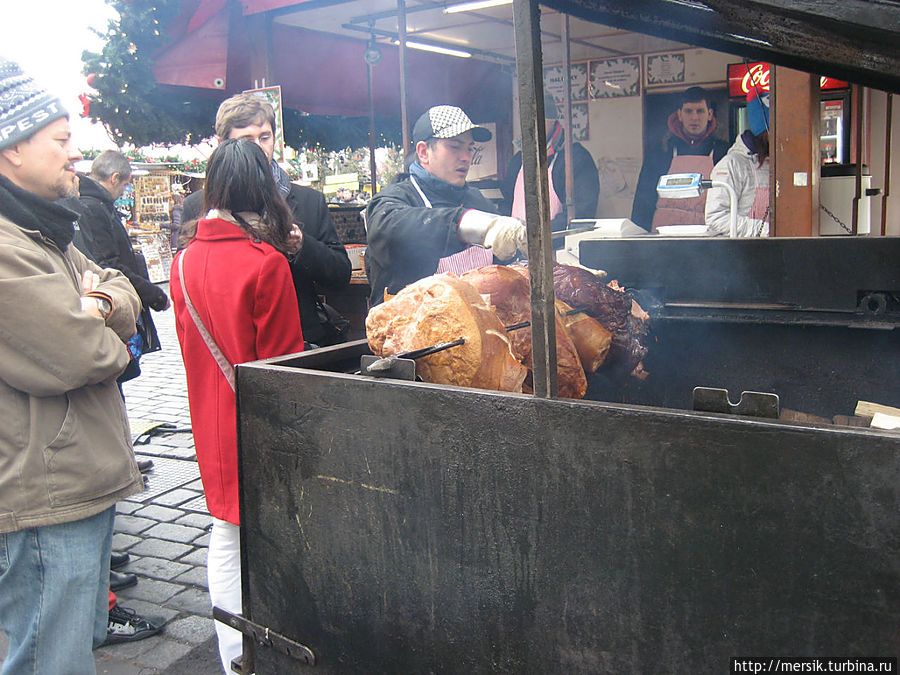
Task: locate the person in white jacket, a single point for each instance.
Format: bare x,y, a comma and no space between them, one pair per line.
746,169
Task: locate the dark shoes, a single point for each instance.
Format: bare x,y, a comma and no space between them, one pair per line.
117,560
145,465
118,581
126,626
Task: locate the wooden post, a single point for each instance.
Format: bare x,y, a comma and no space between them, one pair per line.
794,150
567,121
526,18
886,191
259,30
401,32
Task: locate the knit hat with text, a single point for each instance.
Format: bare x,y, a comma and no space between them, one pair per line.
25,107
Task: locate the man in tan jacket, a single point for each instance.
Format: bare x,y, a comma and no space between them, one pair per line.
65,447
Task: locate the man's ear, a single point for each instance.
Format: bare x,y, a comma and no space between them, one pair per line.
422,151
12,154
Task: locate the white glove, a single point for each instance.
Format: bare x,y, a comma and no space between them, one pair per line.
504,235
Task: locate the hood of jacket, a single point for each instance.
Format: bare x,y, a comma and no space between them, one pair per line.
740,148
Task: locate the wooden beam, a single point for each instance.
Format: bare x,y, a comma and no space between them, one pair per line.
794,148
529,62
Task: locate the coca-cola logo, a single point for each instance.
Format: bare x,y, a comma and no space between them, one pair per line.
757,75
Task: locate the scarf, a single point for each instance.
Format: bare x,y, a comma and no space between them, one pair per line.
252,224
555,140
282,180
435,185
30,212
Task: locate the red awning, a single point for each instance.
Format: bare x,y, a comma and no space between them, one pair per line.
200,57
319,73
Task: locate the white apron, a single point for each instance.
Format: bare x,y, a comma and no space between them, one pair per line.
518,205
691,210
470,258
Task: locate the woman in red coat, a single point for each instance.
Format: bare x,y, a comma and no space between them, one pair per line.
239,283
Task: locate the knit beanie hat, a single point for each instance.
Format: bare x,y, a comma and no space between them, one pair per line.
757,112
25,108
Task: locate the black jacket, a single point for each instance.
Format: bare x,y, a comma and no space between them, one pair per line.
406,239
101,236
657,164
585,194
321,263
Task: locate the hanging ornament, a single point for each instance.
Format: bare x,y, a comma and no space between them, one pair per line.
85,105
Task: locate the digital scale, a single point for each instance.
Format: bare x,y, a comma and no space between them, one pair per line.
681,185
685,186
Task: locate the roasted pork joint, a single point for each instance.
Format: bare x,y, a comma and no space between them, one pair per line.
612,307
509,293
442,308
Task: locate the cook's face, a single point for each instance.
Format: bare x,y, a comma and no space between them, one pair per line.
261,134
47,162
450,158
695,117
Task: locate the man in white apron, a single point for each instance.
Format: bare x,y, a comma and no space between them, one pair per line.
688,147
428,220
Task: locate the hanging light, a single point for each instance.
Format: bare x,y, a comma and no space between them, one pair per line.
436,49
475,5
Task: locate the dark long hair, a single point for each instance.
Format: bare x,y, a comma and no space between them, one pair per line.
239,179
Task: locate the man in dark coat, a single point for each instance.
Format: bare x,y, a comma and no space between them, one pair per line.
688,147
101,235
320,261
429,220
585,175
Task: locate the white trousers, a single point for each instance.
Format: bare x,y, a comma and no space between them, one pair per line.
223,574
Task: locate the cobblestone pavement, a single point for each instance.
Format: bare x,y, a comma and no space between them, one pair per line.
165,529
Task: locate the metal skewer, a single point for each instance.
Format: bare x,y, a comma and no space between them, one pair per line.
386,363
525,324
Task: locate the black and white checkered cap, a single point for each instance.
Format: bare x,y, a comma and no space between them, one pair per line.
447,121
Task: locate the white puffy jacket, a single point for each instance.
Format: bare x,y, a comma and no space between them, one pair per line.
740,169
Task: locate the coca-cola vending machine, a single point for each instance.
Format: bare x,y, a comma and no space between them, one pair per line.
834,104
837,189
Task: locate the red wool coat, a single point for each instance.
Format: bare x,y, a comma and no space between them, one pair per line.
243,291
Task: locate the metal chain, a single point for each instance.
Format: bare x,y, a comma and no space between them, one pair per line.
835,218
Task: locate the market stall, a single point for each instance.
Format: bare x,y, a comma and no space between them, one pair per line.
150,225
398,526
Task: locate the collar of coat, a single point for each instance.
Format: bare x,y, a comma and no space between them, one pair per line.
88,187
30,212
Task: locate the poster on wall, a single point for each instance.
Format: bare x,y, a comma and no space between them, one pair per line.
611,78
273,96
484,159
580,122
578,80
665,68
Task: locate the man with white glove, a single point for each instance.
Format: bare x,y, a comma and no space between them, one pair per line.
428,220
